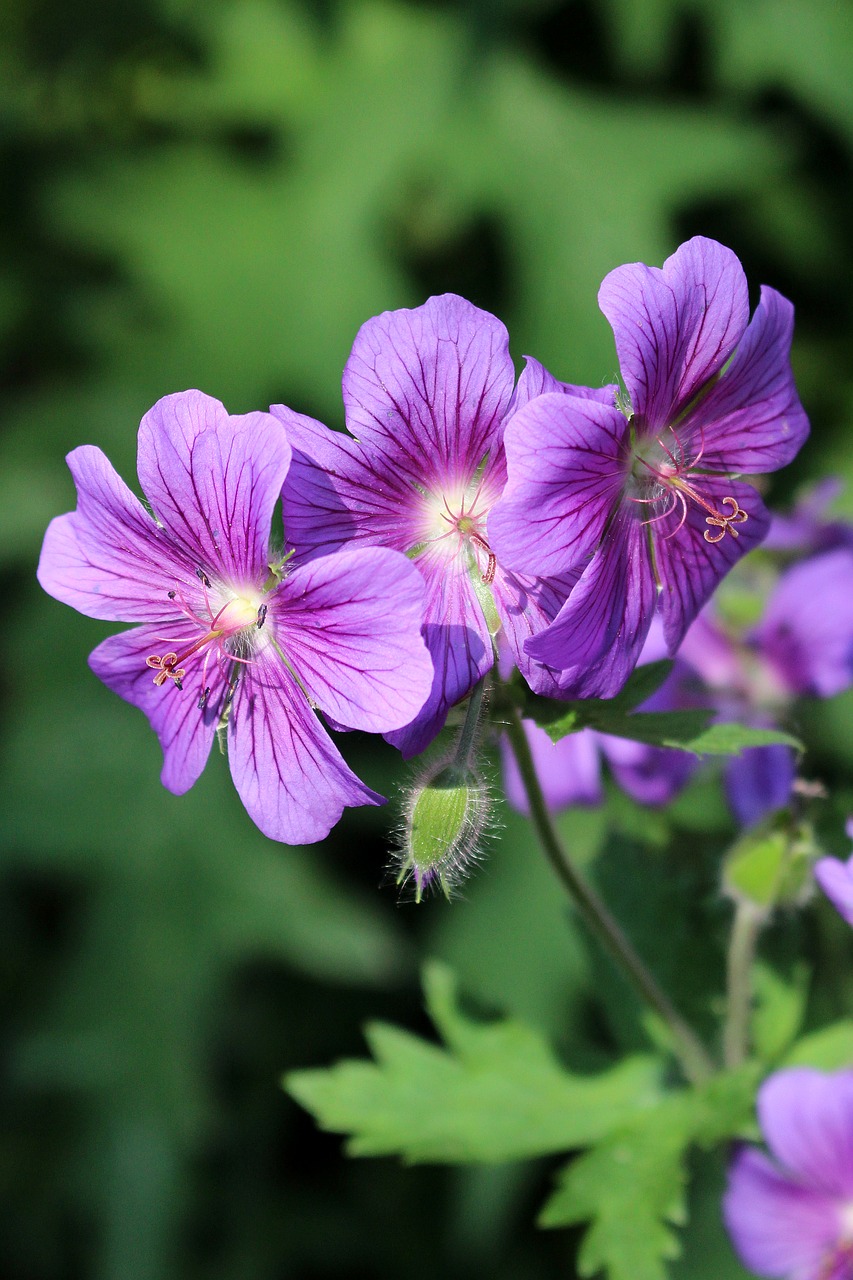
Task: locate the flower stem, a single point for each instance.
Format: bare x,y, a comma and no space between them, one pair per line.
471,724
747,925
691,1053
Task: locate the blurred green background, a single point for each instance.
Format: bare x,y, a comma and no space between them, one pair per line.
217,195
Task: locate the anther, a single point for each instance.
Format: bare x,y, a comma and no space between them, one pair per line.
232,689
262,616
202,576
202,702
171,594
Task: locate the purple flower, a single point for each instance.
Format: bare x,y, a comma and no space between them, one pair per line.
836,880
806,630
791,1216
226,635
427,393
640,502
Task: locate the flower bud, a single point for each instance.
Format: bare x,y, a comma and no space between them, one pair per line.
447,815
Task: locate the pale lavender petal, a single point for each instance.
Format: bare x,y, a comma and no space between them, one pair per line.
569,771
597,637
535,380
289,775
689,568
675,328
185,730
779,1229
751,420
429,388
459,644
759,781
807,1120
566,460
806,631
836,880
335,494
808,528
526,605
108,559
214,480
349,625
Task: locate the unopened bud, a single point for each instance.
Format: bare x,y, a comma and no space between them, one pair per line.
447,816
770,865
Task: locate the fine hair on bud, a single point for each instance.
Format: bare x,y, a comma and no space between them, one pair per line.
447,817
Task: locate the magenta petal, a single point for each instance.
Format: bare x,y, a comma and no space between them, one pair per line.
807,1120
430,387
836,880
598,635
459,644
214,480
350,627
567,467
690,568
108,559
569,771
751,420
778,1228
676,327
334,496
289,775
185,731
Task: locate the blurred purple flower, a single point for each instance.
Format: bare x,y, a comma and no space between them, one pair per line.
427,393
791,1216
836,880
806,630
807,530
639,503
225,638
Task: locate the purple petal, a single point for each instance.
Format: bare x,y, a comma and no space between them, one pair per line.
836,880
526,606
597,637
429,388
569,771
214,480
778,1228
689,568
185,731
290,776
807,1121
675,328
335,494
566,460
751,420
108,559
759,781
807,628
459,644
535,380
350,627
650,775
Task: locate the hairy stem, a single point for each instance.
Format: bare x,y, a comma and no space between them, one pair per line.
747,925
691,1053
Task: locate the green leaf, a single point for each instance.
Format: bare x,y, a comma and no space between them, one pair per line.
495,1093
780,1006
829,1049
631,1186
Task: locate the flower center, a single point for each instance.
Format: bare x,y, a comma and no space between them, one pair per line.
224,632
458,518
664,477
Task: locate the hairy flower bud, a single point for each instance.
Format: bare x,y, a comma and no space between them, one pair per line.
447,815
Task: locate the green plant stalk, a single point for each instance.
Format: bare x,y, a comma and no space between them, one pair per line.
694,1058
747,925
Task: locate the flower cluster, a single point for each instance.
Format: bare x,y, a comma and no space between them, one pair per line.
458,507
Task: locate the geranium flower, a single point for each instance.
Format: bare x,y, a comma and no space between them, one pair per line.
427,393
638,497
791,1216
224,637
836,880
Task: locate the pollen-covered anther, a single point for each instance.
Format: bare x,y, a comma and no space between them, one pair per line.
725,523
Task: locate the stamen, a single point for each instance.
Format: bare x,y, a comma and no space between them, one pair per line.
262,616
232,689
202,702
171,594
202,577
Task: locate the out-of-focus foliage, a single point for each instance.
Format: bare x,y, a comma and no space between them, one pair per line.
217,195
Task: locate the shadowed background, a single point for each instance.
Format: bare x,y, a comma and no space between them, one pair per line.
217,195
